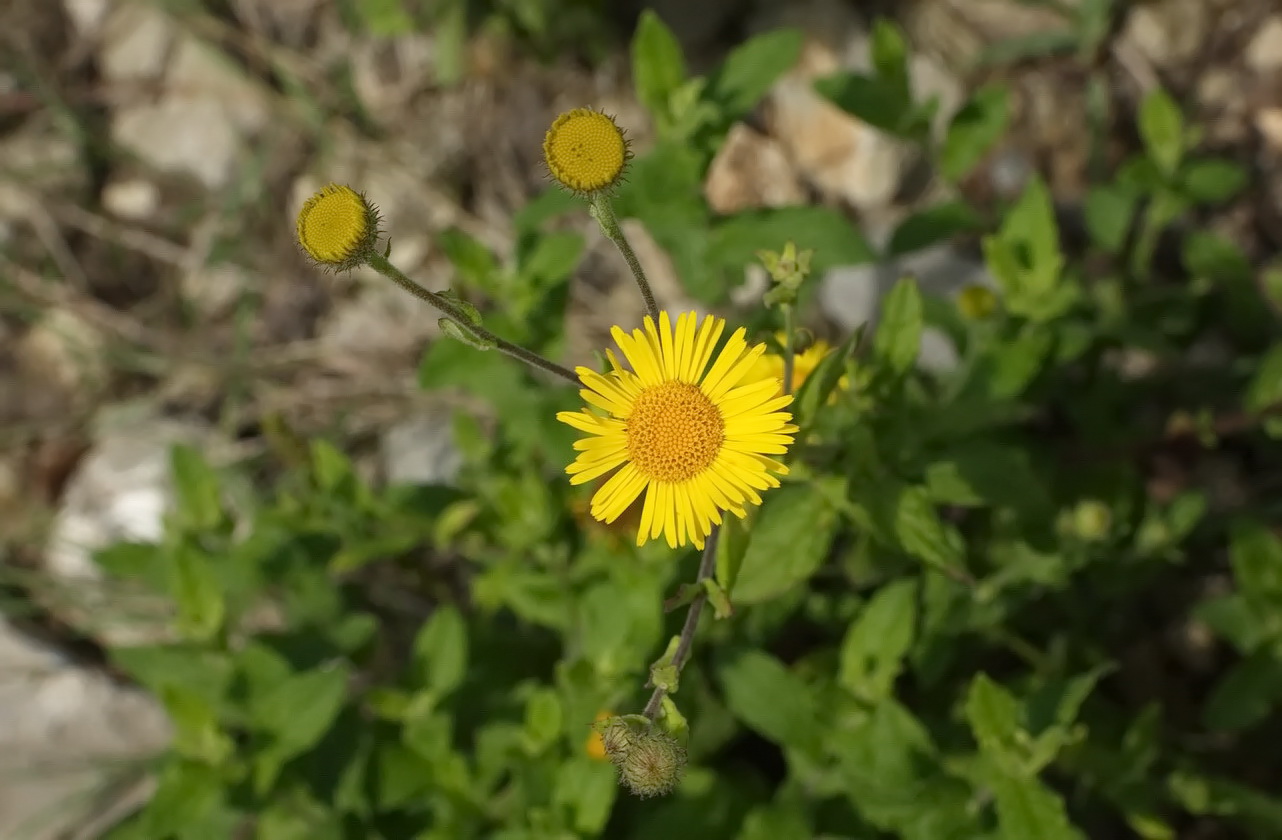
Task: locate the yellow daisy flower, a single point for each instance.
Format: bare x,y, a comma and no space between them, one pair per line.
804,363
688,434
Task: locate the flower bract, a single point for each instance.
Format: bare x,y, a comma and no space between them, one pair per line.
585,150
679,426
337,227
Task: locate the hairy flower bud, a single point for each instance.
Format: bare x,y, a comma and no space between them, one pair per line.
650,761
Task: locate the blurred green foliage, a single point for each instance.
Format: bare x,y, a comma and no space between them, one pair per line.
935,617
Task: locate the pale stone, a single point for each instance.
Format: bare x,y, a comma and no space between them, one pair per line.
1268,121
65,350
1264,53
133,199
750,171
420,449
135,43
214,290
86,16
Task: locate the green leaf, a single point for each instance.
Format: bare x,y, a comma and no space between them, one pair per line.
771,700
440,651
1162,129
898,336
588,789
196,669
995,719
544,719
873,651
876,101
475,265
1256,555
298,710
385,18
188,795
1265,390
732,544
890,56
1247,694
453,330
819,385
197,735
750,69
771,822
788,542
1110,212
1216,258
973,131
198,594
1026,809
931,226
553,258
736,239
1031,228
1212,180
983,472
331,469
196,484
658,67
923,535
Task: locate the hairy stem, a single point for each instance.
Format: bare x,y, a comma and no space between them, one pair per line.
603,212
707,565
380,264
789,348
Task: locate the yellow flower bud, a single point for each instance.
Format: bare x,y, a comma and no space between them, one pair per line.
586,151
338,227
977,302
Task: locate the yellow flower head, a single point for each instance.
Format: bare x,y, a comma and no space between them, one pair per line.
338,228
770,366
976,302
595,746
586,151
688,434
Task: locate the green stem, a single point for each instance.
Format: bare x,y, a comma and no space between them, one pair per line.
381,264
789,348
603,212
707,566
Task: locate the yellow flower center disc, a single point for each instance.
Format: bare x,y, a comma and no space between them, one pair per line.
674,432
585,150
332,224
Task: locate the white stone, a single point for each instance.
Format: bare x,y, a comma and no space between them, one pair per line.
1268,121
133,199
1168,32
750,171
121,490
86,15
191,136
66,350
420,449
64,732
1264,53
214,290
135,43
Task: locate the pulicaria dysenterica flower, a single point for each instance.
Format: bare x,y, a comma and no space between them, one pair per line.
803,364
690,436
586,151
338,227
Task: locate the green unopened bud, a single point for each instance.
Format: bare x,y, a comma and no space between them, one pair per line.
1092,520
976,302
788,270
650,761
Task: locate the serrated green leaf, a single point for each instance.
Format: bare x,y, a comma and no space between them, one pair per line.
297,711
658,67
974,129
750,69
874,648
923,534
1162,129
1212,180
898,337
440,651
788,542
1248,693
198,594
995,719
196,484
931,226
1026,808
771,700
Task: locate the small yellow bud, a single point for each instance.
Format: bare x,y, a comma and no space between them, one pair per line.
976,302
595,746
338,227
586,151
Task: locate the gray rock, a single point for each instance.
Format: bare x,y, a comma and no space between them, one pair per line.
66,735
420,449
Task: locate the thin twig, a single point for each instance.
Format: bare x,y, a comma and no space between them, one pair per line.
604,214
707,566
